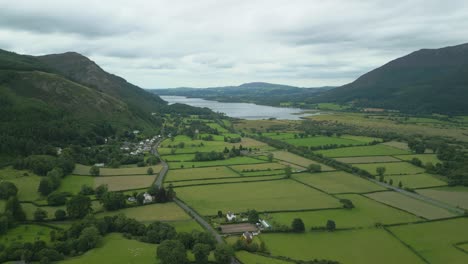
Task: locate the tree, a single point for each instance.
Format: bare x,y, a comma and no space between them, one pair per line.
4,224
201,252
79,206
7,189
101,190
89,238
113,201
170,193
253,217
45,186
331,226
223,253
270,157
140,198
94,170
348,204
13,206
57,198
86,190
40,214
288,171
400,184
150,171
171,252
60,215
314,168
220,214
297,225
380,170
390,182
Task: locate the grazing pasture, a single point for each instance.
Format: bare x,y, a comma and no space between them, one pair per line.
366,213
322,141
200,173
119,250
120,183
298,160
26,233
353,246
262,173
338,182
226,180
257,167
425,158
397,144
411,205
435,241
455,196
84,170
26,182
179,157
152,212
230,161
422,180
371,159
374,150
261,196
73,183
393,168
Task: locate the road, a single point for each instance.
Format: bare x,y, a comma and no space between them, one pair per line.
421,197
159,181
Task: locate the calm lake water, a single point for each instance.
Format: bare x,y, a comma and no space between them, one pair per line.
242,110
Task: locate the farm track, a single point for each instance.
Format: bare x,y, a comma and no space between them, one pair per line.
159,181
421,198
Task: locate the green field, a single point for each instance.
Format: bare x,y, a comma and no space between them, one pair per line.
435,241
26,182
337,182
119,250
217,127
120,183
262,196
455,196
257,167
425,158
26,233
73,183
30,208
322,141
251,258
230,161
226,180
411,205
151,213
366,213
298,160
260,173
371,159
179,157
374,150
84,170
354,246
393,168
414,181
200,173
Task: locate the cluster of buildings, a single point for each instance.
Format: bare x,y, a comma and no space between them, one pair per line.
140,147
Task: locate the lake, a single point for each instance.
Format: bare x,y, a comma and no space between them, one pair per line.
242,110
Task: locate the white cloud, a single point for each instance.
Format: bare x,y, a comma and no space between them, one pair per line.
210,43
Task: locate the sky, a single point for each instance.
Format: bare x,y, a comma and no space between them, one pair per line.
164,44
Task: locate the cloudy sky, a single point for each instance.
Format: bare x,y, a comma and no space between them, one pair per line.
158,44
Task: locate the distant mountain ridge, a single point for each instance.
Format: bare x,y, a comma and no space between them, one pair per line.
254,92
425,81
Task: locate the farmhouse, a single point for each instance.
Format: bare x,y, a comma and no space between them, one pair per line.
230,216
148,198
247,236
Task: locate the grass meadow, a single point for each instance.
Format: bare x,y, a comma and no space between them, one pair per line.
414,181
152,212
298,160
393,168
455,196
359,151
200,173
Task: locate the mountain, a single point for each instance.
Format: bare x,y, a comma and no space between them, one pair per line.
60,99
425,81
255,92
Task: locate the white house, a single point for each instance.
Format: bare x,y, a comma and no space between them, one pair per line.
148,198
230,216
265,224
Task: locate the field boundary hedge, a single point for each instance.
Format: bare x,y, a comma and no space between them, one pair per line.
406,245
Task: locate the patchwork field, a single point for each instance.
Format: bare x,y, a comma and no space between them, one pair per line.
261,196
152,212
435,241
414,181
425,158
230,161
84,170
200,173
26,182
455,196
261,173
371,159
73,183
366,213
117,249
397,144
374,150
411,205
337,182
226,180
179,157
26,233
298,160
120,183
354,246
322,141
394,168
257,167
